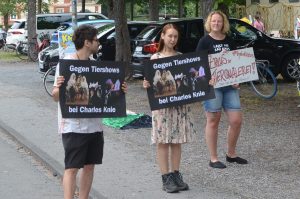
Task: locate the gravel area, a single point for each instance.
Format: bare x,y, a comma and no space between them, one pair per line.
269,141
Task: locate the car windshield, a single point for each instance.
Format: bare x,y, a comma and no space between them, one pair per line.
105,28
149,32
63,27
17,25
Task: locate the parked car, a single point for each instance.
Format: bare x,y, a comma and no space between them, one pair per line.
2,38
50,55
66,26
283,54
46,23
107,38
49,22
17,32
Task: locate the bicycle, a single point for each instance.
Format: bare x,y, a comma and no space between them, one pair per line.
48,80
22,47
266,85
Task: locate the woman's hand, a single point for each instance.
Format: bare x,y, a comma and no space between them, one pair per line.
124,87
213,81
236,86
146,83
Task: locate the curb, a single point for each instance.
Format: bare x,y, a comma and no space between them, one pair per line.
53,165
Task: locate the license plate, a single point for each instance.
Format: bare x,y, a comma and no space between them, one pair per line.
139,48
41,65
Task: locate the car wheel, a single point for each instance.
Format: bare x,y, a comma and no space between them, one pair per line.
291,67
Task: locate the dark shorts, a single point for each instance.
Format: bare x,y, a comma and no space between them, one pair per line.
82,149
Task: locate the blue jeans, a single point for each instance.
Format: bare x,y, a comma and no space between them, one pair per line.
227,98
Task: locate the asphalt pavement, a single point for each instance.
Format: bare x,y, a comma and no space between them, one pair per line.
129,167
23,176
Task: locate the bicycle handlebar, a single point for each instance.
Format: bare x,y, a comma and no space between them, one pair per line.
247,45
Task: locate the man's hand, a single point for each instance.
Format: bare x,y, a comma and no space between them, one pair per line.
59,81
124,87
55,92
146,83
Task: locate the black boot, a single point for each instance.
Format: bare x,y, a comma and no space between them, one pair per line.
169,184
179,181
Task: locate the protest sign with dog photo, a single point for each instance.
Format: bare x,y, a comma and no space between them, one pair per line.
178,80
92,89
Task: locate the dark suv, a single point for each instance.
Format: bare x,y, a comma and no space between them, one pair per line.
107,36
283,54
50,56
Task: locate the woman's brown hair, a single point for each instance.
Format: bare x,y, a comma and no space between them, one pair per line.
161,43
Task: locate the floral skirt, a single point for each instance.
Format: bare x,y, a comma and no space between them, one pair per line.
172,125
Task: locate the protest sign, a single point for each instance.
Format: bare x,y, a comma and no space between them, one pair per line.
92,89
233,67
65,43
178,80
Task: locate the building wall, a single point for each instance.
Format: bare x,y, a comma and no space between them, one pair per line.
267,2
279,16
66,6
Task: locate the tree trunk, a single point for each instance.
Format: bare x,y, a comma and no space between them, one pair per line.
206,7
131,9
110,9
154,10
197,9
180,8
83,6
123,52
6,21
39,6
224,8
31,26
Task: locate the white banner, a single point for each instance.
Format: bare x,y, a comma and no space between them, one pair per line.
233,67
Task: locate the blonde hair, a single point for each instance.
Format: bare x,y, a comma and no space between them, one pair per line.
226,26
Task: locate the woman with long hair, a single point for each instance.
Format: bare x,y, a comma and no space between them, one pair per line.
171,127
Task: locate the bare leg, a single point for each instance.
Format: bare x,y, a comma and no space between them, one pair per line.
163,158
211,133
69,183
234,129
86,179
175,156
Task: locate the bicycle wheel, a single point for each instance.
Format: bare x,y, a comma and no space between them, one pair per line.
48,80
266,85
21,51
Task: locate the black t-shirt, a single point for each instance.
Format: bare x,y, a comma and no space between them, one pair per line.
215,46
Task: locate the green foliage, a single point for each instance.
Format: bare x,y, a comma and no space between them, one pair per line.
45,7
230,4
170,7
9,6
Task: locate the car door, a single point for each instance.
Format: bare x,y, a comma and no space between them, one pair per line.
195,31
108,43
246,35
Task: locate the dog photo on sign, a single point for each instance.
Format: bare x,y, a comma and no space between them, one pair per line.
164,83
77,90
